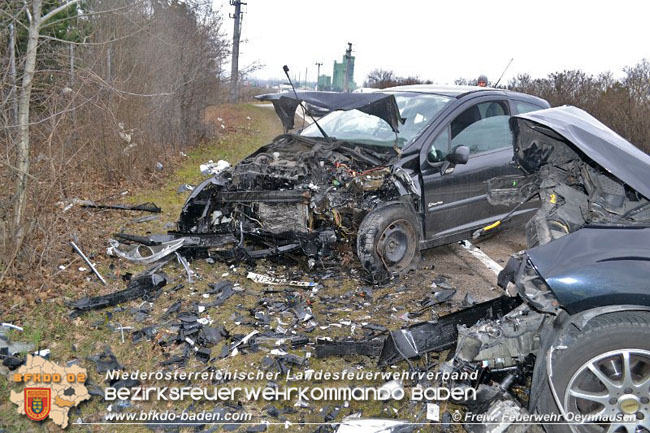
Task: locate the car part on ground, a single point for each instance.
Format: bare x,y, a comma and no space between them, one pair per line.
145,254
139,286
145,207
88,262
417,340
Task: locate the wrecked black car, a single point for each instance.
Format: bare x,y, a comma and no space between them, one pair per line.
392,172
579,322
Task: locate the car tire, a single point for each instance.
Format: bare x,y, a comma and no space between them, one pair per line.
602,344
388,242
531,234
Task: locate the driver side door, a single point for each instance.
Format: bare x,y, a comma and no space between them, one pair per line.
456,201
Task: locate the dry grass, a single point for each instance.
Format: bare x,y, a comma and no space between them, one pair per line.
338,300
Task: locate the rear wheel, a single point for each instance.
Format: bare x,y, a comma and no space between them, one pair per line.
388,242
604,373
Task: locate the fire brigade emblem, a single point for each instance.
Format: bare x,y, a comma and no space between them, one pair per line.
37,403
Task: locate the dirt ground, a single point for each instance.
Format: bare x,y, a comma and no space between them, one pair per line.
342,305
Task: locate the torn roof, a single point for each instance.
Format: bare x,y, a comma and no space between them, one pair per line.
381,105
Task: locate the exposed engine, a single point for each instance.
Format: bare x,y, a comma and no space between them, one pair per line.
297,190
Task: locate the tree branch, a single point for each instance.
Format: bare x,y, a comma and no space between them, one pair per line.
55,11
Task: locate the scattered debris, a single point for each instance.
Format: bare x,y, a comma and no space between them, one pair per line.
369,425
214,168
145,207
185,188
266,279
88,262
9,350
419,339
146,218
139,286
144,253
105,361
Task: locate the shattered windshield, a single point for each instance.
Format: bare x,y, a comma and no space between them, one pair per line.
417,109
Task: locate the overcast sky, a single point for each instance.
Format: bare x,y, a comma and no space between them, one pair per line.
443,40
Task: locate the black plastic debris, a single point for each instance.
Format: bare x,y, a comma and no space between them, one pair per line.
329,414
105,361
125,383
203,354
146,207
223,291
373,327
147,333
12,362
174,360
138,287
212,336
419,339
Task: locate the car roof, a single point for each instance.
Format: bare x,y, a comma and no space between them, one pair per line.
454,91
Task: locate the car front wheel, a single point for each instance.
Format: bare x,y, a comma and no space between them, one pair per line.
388,242
603,376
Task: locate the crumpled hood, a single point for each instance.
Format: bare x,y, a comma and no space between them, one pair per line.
381,105
597,266
608,149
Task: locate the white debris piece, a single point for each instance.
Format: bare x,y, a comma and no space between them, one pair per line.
267,279
433,412
211,168
368,425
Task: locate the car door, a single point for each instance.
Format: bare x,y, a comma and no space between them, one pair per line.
456,201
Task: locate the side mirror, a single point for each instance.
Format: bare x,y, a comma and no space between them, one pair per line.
459,155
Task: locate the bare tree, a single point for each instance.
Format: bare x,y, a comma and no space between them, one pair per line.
23,140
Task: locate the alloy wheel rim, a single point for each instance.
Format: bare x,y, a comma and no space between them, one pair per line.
615,383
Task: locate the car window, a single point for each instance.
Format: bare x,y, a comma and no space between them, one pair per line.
481,127
486,134
417,110
440,146
525,107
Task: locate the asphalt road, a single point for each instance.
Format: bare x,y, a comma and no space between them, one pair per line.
465,271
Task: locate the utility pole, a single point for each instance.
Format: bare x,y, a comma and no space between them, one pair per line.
346,77
234,72
318,65
305,78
